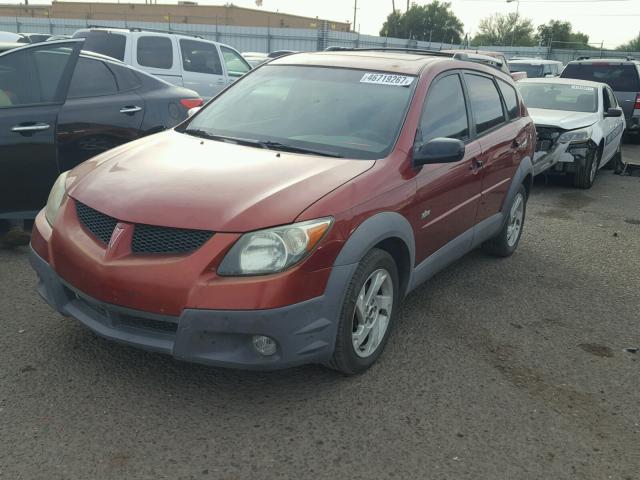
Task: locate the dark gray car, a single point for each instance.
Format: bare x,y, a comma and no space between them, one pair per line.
622,75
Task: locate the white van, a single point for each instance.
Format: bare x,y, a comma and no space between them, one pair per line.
535,67
184,60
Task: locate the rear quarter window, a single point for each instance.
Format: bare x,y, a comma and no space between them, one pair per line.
105,43
621,77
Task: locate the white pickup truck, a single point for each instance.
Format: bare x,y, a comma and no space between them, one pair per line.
579,125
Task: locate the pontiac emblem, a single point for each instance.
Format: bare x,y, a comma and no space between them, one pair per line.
115,236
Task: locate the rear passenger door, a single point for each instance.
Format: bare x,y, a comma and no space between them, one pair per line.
102,111
500,133
157,55
447,194
33,85
202,68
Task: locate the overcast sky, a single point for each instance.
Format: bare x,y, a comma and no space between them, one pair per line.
611,21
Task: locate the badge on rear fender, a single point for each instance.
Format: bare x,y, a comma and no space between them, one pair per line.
387,79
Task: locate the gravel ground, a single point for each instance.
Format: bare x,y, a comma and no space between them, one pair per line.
497,369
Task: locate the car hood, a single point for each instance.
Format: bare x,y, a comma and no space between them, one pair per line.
173,179
562,119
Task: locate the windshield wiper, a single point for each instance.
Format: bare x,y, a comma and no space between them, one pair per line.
267,144
222,138
293,149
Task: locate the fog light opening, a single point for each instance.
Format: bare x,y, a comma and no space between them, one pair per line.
264,345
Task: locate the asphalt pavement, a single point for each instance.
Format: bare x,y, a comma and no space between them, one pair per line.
497,369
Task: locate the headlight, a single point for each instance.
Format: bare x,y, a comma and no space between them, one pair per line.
55,198
273,250
575,136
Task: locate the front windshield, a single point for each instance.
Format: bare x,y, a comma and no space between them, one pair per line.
553,96
532,71
342,112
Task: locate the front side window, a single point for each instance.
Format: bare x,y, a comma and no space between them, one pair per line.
33,76
559,96
445,113
236,65
485,103
200,57
344,112
612,97
155,52
510,99
91,78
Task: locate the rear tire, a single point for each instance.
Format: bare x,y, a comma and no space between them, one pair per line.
507,240
616,162
364,325
586,175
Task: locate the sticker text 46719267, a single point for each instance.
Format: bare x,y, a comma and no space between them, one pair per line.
387,79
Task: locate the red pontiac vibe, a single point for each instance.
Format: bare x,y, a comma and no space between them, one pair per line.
284,222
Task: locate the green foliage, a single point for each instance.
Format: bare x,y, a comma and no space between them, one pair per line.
562,35
510,29
632,45
432,22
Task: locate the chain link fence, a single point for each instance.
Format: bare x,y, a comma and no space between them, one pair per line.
266,39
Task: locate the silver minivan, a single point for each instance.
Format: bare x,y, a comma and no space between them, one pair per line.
184,60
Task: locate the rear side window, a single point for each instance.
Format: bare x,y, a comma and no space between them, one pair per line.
236,65
33,76
200,57
126,78
485,102
621,78
91,78
445,113
155,52
510,99
105,43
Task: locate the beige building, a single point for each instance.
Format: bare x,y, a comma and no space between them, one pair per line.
181,12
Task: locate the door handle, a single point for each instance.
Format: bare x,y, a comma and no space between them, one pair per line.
130,109
36,127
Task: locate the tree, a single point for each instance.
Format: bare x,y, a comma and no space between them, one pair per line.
561,32
432,22
510,29
632,45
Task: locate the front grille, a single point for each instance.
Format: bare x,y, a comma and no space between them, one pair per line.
547,138
150,239
147,239
99,224
148,324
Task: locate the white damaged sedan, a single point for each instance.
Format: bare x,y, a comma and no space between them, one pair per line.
579,125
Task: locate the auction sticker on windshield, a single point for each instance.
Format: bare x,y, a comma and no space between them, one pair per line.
384,79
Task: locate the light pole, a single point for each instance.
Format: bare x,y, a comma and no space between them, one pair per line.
513,38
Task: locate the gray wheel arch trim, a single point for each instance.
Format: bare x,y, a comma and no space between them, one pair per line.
525,168
374,230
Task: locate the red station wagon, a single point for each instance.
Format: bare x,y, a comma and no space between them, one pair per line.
284,222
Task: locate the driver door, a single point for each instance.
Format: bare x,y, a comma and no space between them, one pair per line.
33,86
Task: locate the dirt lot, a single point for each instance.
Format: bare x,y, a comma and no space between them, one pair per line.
498,369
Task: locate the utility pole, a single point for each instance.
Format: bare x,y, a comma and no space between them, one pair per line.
515,25
408,5
355,11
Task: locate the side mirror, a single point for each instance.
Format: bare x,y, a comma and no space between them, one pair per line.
613,112
193,111
438,150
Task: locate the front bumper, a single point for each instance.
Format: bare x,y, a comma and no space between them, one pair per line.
564,157
305,332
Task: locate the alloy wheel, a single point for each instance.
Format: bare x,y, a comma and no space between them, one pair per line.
372,313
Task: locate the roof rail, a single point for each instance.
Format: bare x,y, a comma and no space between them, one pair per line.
144,29
419,51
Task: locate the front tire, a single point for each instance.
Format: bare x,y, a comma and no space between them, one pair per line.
586,175
367,314
507,240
